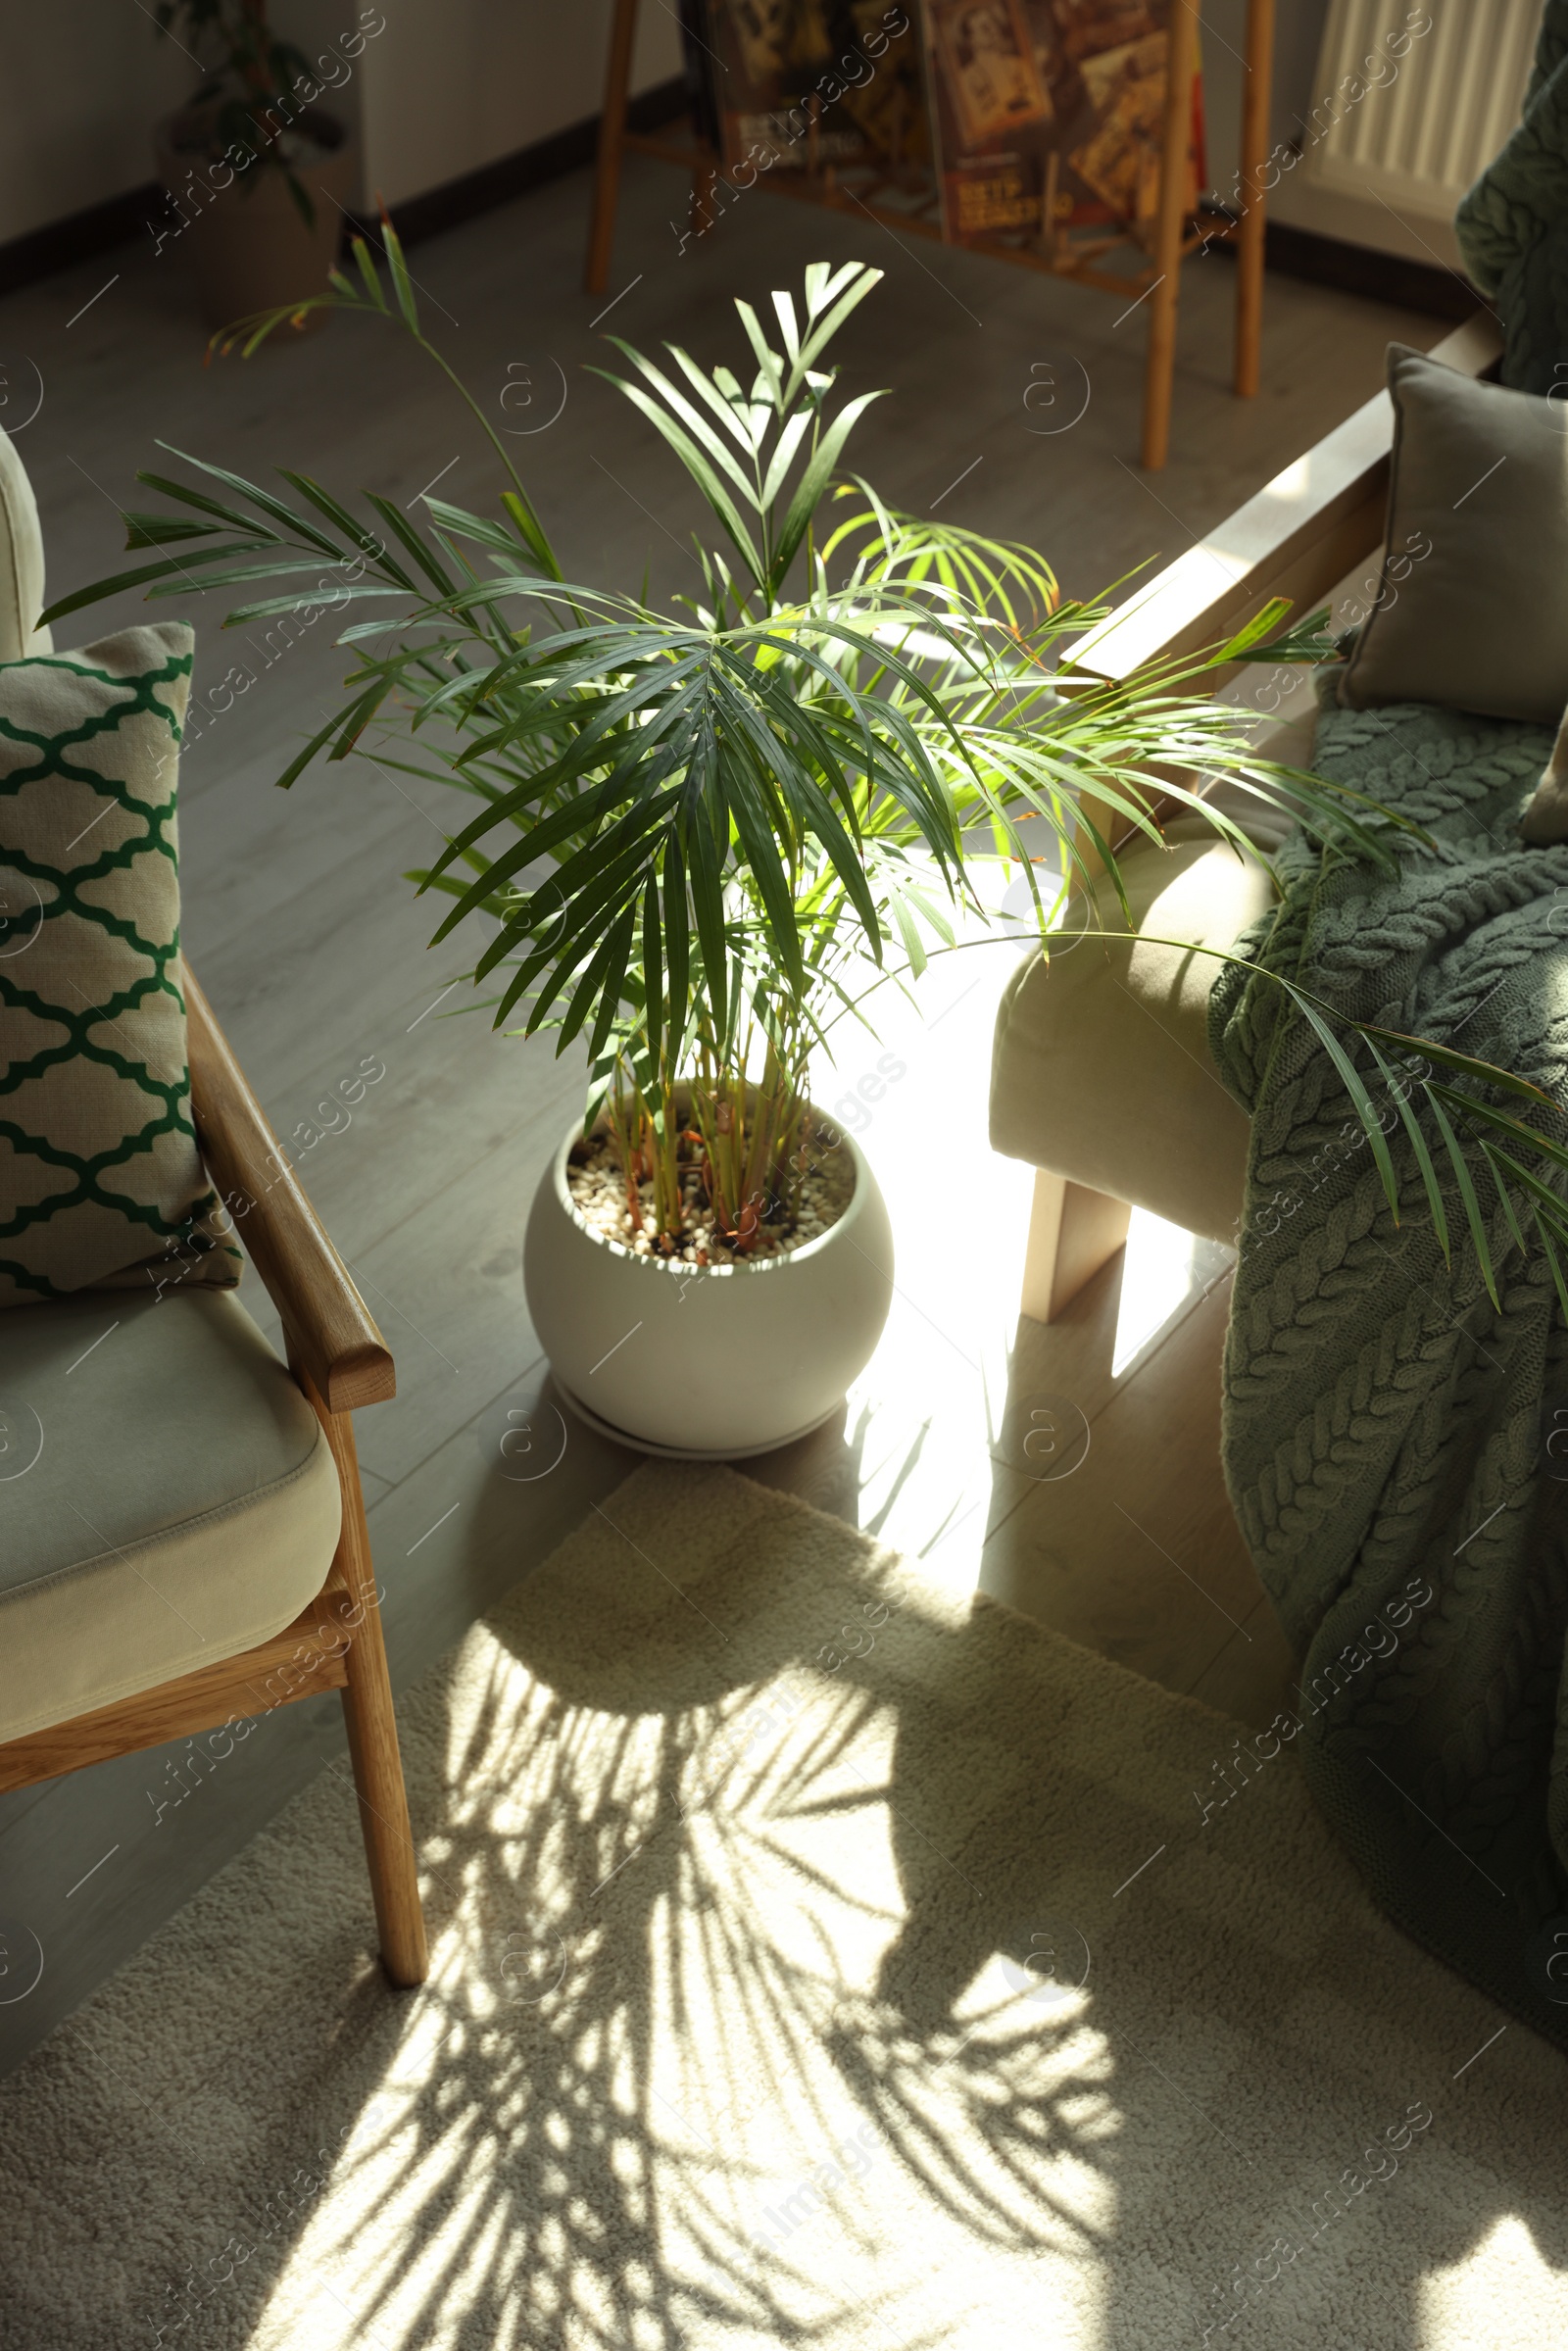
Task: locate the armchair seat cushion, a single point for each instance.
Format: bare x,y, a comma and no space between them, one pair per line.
1101,1070
168,1498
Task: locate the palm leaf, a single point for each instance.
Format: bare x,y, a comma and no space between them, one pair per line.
696,424
1467,1194
285,516
65,605
398,270
1356,1087
701,471
1422,1156
812,482
1549,1252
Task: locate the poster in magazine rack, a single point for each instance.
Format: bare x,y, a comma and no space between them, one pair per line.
796,83
1047,119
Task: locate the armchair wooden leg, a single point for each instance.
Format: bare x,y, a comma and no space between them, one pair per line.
1072,1233
373,1730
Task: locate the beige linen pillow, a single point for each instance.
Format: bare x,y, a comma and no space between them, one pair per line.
101,1184
1481,621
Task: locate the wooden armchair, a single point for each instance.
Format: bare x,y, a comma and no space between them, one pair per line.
339,1363
1100,1075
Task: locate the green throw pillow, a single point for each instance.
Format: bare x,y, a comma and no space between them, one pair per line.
1470,610
101,1185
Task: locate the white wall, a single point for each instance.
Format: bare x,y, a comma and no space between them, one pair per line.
454,85
79,86
1299,200
449,85
1297,32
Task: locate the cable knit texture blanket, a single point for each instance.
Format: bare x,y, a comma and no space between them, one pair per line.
1383,1422
1512,225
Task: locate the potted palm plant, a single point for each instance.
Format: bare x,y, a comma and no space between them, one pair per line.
258,175
703,836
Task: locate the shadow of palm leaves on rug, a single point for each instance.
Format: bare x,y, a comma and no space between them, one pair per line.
681,2068
749,1858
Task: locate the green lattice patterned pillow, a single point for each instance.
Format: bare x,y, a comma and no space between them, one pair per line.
101,1185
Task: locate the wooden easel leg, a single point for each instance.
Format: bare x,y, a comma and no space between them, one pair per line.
1072,1233
373,1728
1160,365
1255,144
612,136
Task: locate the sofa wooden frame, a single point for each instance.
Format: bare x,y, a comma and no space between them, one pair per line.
1299,537
341,1362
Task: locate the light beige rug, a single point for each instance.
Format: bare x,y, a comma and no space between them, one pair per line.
817,1961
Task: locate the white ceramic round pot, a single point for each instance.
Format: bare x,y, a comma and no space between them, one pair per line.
708,1363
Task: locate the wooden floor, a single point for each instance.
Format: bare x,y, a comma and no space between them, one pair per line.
313,951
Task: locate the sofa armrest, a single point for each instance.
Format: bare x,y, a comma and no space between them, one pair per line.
1299,537
330,1331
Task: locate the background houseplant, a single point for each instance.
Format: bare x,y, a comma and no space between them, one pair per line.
259,174
701,835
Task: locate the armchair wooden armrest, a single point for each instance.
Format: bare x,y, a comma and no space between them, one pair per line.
331,1335
339,1359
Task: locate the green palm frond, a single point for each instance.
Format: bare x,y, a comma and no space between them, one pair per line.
697,839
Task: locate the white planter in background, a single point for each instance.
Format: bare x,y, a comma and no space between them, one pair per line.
711,1362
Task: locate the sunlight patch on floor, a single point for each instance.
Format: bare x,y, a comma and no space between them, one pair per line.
929,1403
876,2122
1163,1269
927,1414
1502,2297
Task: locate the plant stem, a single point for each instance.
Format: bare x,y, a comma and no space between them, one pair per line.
496,443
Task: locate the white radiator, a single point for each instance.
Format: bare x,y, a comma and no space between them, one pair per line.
1442,110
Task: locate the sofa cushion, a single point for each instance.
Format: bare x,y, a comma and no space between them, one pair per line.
1101,1070
100,1178
167,1498
1470,611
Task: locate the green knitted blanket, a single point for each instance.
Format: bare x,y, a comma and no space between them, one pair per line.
1388,1432
1512,225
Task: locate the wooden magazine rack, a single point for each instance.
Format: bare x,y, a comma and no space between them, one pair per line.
1154,284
